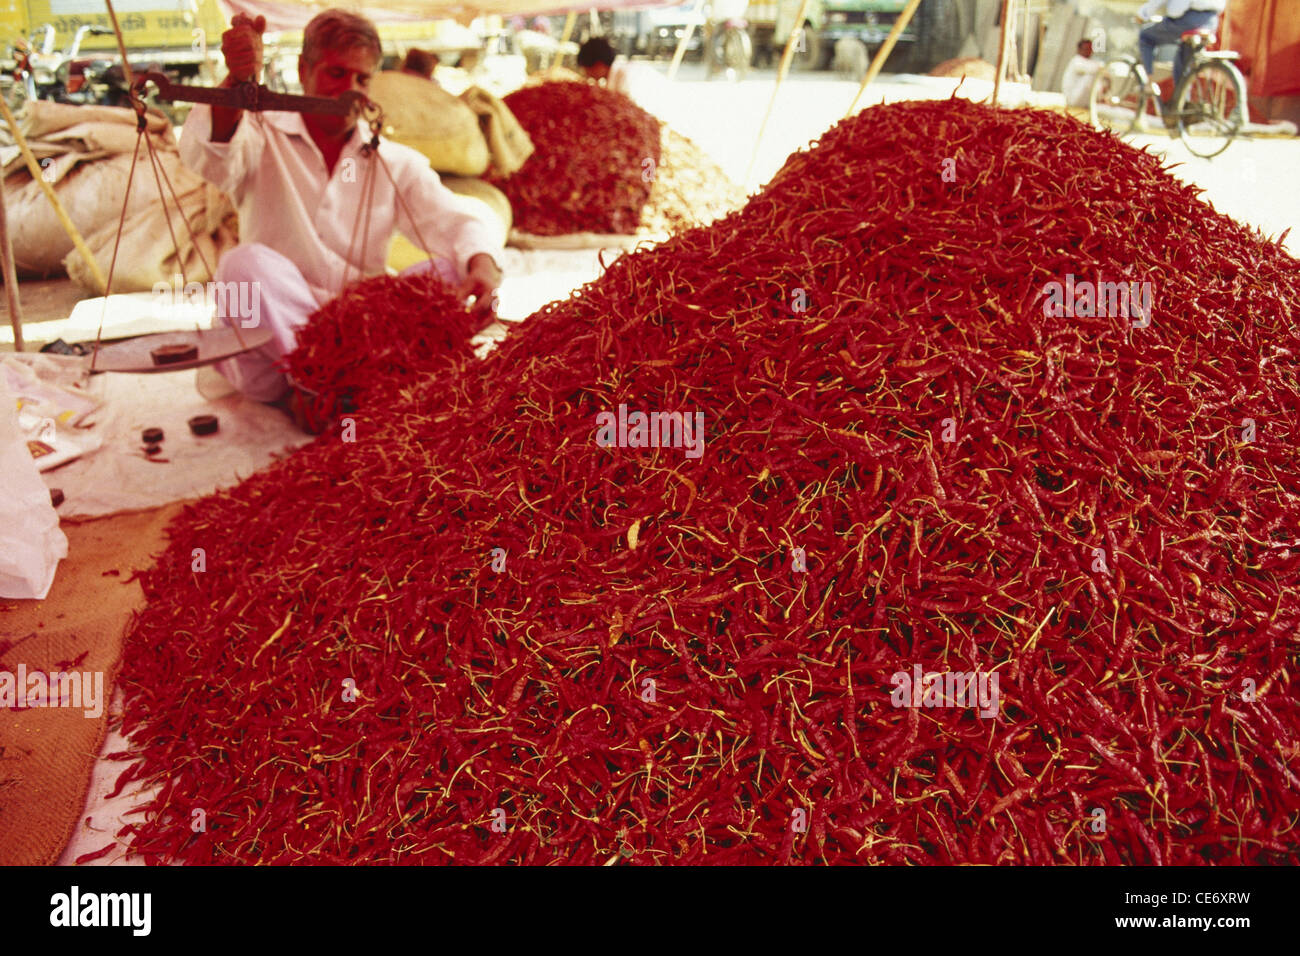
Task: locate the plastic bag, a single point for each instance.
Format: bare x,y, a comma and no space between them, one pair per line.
31,542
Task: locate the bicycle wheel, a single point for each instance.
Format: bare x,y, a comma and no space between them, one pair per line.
1211,108
737,50
1117,97
810,53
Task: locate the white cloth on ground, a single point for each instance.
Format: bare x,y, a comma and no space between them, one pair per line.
119,476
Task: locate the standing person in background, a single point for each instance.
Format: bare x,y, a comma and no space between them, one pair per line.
1179,17
420,63
1076,84
296,179
639,82
598,61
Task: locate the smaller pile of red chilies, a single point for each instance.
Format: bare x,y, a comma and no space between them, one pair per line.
383,333
594,164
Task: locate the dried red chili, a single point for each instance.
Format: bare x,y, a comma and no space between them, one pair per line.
663,694
379,336
596,154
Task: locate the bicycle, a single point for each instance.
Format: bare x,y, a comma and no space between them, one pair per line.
726,38
729,47
1207,108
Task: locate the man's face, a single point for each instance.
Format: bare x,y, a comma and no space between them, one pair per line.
597,71
334,73
1085,49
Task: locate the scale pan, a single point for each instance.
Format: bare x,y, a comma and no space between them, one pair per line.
212,345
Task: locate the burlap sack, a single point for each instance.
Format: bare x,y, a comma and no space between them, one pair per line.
973,68
420,114
38,119
148,255
47,753
91,190
556,74
488,195
507,141
86,154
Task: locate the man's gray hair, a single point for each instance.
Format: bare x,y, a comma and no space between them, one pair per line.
336,29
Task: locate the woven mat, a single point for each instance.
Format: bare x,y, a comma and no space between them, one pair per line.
46,753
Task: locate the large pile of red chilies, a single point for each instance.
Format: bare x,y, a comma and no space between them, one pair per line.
380,334
596,155
650,670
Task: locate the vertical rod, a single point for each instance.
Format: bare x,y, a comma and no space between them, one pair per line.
1002,52
10,273
878,63
680,52
34,168
569,20
796,33
1024,45
121,45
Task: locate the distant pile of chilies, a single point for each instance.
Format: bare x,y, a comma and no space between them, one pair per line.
595,157
478,633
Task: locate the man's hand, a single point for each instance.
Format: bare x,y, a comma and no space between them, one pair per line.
482,282
241,45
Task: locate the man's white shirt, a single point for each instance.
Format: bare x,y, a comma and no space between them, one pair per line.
276,177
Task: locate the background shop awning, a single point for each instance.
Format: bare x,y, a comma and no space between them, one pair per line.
294,14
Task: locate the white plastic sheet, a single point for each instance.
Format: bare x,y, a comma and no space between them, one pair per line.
31,541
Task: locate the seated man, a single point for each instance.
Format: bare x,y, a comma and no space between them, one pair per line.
1076,84
299,182
1179,17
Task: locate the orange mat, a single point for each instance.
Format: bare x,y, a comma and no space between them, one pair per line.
46,753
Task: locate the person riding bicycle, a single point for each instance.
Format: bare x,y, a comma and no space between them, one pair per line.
1179,17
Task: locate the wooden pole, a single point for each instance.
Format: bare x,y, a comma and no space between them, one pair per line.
1011,49
10,273
1023,76
570,19
35,169
1002,51
121,45
782,70
878,62
680,53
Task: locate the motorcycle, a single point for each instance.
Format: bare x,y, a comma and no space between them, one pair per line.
41,73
